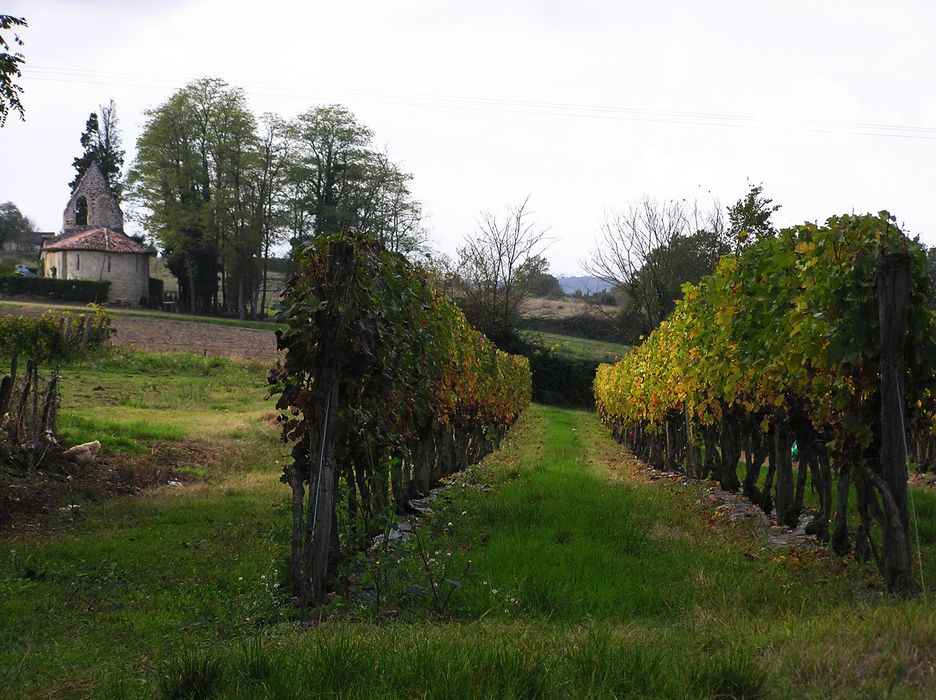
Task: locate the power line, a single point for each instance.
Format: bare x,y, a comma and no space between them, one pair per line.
498,105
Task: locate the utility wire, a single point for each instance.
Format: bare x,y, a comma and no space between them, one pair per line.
510,106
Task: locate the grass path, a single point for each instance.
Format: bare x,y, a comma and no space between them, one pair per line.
584,582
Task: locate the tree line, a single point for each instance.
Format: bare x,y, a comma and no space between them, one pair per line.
219,189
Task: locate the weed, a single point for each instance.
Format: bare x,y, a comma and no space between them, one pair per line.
192,674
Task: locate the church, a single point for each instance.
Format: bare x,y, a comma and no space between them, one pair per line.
93,245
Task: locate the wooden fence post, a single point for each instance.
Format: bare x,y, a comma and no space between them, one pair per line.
893,303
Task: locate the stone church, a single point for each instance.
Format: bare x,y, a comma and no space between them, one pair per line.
93,245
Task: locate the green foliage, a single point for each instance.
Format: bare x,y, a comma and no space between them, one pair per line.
53,288
793,320
749,219
101,144
416,391
13,223
31,337
10,64
785,339
156,287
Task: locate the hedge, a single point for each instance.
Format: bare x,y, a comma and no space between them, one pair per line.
67,290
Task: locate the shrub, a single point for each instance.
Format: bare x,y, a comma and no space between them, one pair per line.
66,290
156,287
35,338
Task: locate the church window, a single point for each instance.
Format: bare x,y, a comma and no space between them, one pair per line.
81,212
108,263
77,261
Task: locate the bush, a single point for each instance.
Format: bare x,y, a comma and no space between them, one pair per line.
156,287
558,380
35,338
67,290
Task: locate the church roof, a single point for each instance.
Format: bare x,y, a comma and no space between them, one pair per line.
97,238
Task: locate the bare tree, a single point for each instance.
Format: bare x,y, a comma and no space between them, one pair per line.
648,251
492,283
629,255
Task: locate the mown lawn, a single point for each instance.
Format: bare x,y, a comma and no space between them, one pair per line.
558,573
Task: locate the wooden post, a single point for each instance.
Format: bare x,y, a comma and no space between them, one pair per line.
320,513
893,303
786,508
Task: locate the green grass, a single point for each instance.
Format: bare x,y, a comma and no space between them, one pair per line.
116,436
583,582
580,347
7,306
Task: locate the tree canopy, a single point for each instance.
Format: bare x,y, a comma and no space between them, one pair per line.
101,143
13,223
10,62
219,189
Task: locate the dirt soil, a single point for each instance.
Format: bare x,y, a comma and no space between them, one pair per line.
166,335
58,489
161,335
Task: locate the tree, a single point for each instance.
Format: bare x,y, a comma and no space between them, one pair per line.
493,267
650,250
101,143
13,223
181,166
332,149
10,70
634,254
338,181
535,273
749,219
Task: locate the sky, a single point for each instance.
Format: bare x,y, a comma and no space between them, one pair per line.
586,107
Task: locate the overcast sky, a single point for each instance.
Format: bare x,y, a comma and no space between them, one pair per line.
586,106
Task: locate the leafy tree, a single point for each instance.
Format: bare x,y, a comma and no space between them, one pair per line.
10,70
13,223
749,219
535,274
494,270
338,181
331,155
175,179
101,142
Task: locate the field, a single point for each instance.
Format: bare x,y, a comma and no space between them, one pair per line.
156,331
586,578
599,350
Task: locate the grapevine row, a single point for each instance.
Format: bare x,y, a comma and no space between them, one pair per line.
782,344
385,389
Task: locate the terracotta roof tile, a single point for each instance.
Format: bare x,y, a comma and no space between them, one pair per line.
99,238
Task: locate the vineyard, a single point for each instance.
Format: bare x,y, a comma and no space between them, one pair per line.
555,566
386,389
820,338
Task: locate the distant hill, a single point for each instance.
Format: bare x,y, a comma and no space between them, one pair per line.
587,284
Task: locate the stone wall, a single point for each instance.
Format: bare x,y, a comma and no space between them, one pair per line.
102,206
128,272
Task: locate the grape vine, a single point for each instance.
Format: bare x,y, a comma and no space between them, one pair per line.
783,343
385,388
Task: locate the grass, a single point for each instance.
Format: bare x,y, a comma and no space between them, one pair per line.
13,307
580,347
583,582
116,436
